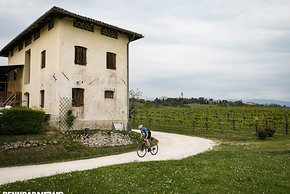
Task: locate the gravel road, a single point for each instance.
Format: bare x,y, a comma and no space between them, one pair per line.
171,147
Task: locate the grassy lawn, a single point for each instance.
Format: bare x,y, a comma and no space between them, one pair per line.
65,149
248,166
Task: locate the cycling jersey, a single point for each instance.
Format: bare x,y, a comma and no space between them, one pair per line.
144,130
147,132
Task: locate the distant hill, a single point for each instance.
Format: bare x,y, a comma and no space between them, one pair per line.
267,101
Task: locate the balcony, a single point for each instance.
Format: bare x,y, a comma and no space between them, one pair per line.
10,85
9,95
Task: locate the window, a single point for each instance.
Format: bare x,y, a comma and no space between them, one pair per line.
80,55
111,60
27,67
77,97
109,32
43,56
83,25
109,94
42,98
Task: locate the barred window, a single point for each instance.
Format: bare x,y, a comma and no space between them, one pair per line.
77,97
109,94
111,60
109,32
83,25
80,55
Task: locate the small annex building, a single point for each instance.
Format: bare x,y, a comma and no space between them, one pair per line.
64,61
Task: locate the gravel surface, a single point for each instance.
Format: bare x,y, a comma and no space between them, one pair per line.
171,147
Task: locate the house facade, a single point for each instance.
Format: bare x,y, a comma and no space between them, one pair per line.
64,61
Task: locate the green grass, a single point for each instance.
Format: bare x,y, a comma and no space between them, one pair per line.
66,149
251,166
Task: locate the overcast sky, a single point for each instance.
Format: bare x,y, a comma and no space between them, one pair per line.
221,49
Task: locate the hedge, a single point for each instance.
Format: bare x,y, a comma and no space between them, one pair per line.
21,121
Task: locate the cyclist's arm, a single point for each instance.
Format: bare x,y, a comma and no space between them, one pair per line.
142,136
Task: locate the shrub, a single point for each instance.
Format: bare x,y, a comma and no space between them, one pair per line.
70,118
21,121
262,134
267,132
270,131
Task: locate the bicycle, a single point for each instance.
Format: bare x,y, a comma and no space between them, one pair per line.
142,149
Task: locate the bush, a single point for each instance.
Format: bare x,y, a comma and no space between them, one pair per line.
267,132
70,118
270,131
262,134
21,121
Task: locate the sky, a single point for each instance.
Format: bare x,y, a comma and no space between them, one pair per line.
220,49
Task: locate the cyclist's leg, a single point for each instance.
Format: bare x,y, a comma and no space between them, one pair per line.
146,140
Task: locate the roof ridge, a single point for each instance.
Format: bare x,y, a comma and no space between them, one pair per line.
53,13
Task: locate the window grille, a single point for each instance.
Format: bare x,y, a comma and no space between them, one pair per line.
83,25
110,33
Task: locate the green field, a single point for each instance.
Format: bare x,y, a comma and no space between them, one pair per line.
241,163
66,149
232,167
212,121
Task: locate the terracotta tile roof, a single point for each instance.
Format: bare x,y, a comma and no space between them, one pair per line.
57,12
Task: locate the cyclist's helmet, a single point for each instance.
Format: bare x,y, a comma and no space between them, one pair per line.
140,127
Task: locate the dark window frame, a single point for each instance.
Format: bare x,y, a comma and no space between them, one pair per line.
78,97
109,94
42,98
111,60
43,59
80,55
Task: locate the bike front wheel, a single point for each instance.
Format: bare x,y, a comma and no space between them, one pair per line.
141,150
154,149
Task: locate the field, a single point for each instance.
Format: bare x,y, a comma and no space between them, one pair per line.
241,163
213,121
251,166
66,149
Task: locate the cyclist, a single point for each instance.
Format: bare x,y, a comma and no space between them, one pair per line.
146,133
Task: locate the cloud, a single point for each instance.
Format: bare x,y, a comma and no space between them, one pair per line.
212,48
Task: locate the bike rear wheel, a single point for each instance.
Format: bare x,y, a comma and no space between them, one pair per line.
154,149
141,150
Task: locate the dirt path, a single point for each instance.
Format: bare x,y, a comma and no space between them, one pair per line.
171,147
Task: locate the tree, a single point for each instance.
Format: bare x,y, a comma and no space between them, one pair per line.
134,98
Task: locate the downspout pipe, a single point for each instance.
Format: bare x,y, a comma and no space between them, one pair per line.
128,95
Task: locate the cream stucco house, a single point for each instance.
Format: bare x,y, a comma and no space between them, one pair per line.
64,61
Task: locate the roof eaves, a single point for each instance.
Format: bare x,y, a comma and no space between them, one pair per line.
59,12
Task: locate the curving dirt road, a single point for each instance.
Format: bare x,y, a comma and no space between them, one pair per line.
171,147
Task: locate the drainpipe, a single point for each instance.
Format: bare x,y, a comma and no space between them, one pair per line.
128,108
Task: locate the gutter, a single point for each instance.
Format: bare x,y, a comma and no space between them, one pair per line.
128,96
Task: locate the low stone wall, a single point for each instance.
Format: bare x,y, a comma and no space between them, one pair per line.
101,139
25,144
